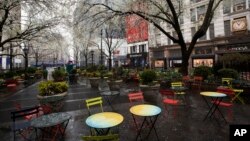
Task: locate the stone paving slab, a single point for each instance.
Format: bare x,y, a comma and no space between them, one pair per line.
188,125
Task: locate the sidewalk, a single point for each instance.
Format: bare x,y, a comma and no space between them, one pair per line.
188,125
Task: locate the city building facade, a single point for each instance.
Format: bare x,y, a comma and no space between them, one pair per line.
228,33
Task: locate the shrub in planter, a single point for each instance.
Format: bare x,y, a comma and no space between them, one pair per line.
147,77
52,94
203,71
31,70
59,75
49,88
230,73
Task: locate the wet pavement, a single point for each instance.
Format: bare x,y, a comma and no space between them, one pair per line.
188,125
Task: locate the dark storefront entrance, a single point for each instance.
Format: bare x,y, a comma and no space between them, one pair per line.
138,60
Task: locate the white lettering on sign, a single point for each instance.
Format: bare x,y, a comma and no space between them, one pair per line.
239,132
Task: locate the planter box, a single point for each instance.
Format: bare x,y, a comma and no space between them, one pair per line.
94,82
151,94
115,85
56,102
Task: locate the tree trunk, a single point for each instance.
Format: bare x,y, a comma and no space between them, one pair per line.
110,63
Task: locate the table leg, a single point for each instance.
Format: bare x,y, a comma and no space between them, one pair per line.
139,132
213,108
152,122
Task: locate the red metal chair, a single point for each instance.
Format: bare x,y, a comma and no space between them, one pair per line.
136,97
197,82
227,104
168,99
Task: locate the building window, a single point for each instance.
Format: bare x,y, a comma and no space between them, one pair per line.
169,40
181,20
227,28
193,15
193,30
133,49
201,11
226,7
142,48
211,31
195,1
239,5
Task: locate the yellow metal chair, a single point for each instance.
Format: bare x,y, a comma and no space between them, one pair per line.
94,102
179,90
175,86
97,101
110,137
227,82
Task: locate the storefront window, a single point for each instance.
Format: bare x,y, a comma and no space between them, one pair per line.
159,64
175,63
203,62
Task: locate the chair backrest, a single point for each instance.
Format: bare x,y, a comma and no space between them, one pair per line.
198,78
185,78
24,113
110,137
176,84
97,101
135,96
166,92
227,81
226,91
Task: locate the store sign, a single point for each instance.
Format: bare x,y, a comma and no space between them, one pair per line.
239,48
135,55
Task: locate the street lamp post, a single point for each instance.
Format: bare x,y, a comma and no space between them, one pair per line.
92,57
26,51
101,48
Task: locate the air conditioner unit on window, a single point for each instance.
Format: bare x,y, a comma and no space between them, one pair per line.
239,7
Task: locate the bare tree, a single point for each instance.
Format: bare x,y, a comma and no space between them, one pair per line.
112,39
16,26
159,13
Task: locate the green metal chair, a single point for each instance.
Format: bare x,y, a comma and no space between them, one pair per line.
110,137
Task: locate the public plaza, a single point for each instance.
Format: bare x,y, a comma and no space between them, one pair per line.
187,125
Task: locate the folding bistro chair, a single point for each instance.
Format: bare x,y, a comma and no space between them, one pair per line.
135,97
197,82
109,137
97,101
227,104
168,99
179,91
21,121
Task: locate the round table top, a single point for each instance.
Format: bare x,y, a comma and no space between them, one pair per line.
213,94
50,120
145,110
104,120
